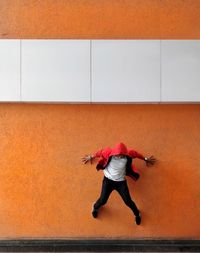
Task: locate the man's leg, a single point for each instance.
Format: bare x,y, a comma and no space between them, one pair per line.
122,189
106,190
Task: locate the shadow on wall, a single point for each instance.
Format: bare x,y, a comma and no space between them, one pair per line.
171,200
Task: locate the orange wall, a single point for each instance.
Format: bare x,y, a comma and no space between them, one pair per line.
159,19
45,191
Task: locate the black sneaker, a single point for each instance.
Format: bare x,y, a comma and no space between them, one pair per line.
94,212
138,219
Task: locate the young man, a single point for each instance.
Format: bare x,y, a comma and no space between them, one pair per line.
116,163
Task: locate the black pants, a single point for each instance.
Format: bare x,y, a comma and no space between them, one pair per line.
121,187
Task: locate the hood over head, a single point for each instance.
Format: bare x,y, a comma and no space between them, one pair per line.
119,149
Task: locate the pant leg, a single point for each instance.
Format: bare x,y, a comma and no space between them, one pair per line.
122,189
107,188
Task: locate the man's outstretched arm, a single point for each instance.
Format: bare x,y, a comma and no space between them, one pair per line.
87,158
90,158
149,160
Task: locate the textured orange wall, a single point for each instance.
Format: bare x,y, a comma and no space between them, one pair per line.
159,19
45,191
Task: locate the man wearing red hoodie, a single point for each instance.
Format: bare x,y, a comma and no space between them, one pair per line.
116,163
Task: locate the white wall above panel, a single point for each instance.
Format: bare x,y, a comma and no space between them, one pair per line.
10,70
180,71
56,70
125,71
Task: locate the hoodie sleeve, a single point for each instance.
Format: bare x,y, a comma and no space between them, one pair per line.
102,153
135,154
98,154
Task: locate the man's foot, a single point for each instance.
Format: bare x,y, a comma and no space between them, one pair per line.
94,212
138,219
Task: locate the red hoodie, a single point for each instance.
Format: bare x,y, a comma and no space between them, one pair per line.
119,149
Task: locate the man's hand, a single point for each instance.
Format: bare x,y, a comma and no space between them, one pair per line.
150,160
87,158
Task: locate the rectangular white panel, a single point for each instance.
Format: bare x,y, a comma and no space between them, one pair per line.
180,71
125,70
9,70
56,70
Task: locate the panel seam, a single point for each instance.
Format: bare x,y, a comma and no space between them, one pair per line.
20,75
160,71
90,71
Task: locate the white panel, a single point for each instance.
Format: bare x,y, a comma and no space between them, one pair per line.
125,70
10,70
56,70
180,70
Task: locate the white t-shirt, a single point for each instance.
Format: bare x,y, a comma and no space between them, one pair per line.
116,169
